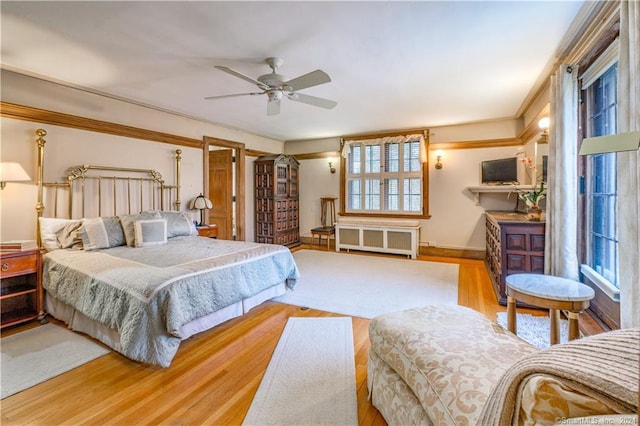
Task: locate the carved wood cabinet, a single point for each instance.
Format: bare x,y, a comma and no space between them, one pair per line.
514,246
277,203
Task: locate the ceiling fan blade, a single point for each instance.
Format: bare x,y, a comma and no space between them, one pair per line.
242,76
314,78
313,100
273,107
233,96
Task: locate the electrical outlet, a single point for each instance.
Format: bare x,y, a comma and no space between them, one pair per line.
431,243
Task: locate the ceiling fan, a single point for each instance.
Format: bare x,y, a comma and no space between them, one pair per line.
276,86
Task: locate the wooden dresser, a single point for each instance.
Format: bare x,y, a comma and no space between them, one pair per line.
21,297
277,203
514,245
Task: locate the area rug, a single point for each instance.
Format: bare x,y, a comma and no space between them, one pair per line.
366,286
39,354
535,329
311,378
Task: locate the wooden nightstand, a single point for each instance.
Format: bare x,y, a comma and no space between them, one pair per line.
21,297
210,231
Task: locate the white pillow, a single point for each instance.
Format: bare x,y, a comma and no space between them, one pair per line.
150,232
48,228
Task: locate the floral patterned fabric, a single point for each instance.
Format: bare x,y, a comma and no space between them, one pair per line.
391,395
544,400
449,357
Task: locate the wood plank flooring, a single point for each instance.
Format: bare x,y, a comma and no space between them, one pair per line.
212,379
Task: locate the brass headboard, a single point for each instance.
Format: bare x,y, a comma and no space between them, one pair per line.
91,191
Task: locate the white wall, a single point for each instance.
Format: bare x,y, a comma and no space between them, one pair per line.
456,222
65,148
68,147
33,92
316,181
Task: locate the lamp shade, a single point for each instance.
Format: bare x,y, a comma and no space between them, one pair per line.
200,203
12,172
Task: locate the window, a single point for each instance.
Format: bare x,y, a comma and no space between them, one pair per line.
600,187
385,176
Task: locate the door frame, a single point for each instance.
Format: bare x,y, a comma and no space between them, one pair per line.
240,153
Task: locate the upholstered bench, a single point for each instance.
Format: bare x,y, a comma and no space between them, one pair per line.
450,365
437,363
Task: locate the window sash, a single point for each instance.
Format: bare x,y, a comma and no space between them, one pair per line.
601,234
395,168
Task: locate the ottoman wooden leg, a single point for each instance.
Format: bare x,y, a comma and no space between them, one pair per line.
511,315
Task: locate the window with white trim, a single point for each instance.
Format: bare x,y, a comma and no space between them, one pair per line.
384,176
600,176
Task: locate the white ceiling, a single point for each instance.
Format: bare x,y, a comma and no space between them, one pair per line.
394,65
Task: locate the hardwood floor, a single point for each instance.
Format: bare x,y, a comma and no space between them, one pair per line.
213,377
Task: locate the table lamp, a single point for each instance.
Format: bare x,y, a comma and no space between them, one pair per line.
201,203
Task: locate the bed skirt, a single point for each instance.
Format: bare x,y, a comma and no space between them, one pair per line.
77,321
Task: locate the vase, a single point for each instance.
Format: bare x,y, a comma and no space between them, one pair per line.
534,214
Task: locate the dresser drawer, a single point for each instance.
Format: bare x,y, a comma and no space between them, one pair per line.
12,266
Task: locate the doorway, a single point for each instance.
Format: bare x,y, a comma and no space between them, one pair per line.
221,192
224,182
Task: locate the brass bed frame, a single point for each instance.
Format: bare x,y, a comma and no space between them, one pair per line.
137,189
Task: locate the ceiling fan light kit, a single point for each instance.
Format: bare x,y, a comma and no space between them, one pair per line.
276,86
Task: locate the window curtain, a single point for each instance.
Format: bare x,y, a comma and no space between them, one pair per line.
629,165
388,139
561,249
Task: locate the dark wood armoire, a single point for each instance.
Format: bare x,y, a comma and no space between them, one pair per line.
277,205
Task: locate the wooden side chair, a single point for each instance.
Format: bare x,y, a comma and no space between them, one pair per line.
328,219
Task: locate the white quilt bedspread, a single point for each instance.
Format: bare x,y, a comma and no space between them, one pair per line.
147,294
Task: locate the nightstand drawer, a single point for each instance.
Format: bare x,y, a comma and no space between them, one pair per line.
12,266
210,231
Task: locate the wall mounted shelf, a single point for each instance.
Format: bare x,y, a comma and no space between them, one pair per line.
477,190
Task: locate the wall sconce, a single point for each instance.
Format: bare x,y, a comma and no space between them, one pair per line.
201,203
12,172
543,124
331,168
438,164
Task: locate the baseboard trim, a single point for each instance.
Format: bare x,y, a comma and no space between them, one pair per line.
451,252
423,250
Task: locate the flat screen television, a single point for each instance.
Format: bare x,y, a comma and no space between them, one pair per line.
503,171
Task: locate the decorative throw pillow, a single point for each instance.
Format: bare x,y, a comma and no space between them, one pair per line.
48,228
177,223
101,232
128,221
69,236
150,232
115,233
94,235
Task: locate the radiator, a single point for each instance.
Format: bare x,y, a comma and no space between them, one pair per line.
378,235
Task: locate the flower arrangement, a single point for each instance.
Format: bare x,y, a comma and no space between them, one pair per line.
532,198
529,164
